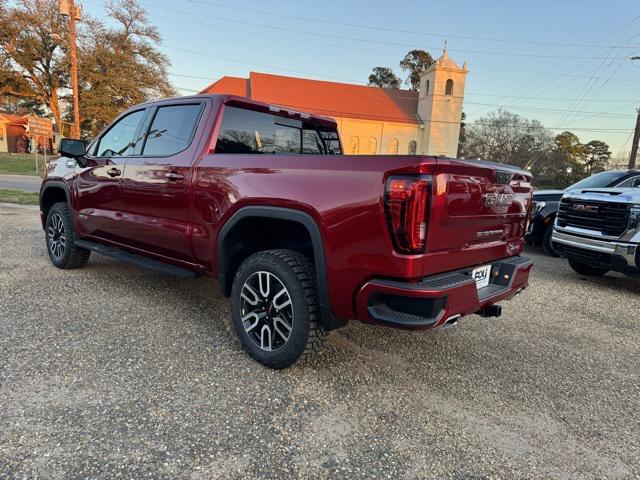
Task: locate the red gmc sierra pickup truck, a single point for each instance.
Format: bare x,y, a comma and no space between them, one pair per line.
300,236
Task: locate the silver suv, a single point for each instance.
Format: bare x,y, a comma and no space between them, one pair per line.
598,230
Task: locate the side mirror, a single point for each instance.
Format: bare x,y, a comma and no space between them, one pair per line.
72,148
635,183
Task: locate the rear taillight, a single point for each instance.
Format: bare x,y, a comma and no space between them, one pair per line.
406,207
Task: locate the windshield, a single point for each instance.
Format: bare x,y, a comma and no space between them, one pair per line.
599,180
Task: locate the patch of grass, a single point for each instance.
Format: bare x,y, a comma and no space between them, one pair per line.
21,164
16,196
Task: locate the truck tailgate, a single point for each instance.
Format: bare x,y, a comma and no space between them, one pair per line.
477,204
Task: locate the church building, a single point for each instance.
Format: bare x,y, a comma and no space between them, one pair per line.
372,120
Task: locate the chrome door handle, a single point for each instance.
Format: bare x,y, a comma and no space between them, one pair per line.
114,172
173,176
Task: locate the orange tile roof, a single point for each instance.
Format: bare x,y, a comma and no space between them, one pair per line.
230,85
12,118
324,98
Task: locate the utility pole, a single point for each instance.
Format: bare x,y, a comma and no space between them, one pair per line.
634,146
636,136
68,7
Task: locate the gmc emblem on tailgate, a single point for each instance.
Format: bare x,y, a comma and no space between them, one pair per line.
498,199
579,207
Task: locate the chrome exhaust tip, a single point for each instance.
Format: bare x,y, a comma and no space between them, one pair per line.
451,321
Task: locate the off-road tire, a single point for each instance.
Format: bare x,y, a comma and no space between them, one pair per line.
547,244
70,256
588,270
295,271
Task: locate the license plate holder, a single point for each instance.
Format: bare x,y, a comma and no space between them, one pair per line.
482,276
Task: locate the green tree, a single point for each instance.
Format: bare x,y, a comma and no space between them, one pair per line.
384,77
33,66
120,66
575,153
598,157
414,62
570,144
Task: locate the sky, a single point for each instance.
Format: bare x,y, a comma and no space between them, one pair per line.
565,63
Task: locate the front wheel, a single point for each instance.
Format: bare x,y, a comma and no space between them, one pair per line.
61,237
274,305
588,270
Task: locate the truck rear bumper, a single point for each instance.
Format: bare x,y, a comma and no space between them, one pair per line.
439,299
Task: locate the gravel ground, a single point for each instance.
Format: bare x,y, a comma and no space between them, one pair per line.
23,183
115,372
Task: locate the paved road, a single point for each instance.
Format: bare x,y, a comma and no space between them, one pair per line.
114,372
20,182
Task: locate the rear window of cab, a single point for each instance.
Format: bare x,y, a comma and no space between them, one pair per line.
250,132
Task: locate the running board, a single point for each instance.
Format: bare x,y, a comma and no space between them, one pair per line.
137,260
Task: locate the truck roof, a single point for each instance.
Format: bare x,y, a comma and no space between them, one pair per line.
245,102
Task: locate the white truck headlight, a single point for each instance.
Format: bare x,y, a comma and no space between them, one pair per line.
634,219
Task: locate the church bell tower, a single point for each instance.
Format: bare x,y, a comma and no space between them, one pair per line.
440,102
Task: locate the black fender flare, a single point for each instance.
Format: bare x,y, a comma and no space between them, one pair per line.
54,184
326,316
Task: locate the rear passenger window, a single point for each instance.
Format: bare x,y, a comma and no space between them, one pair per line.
172,129
246,131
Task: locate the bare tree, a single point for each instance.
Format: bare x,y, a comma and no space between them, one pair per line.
506,137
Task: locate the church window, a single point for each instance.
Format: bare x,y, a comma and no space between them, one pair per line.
393,146
425,89
449,88
413,147
355,143
372,146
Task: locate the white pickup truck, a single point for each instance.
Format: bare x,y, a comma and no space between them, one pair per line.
598,230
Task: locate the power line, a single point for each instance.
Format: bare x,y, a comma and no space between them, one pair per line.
551,110
474,65
396,55
234,60
467,93
404,120
539,77
467,102
395,30
341,37
581,99
549,99
549,73
624,145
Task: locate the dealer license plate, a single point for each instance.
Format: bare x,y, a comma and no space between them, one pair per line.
481,275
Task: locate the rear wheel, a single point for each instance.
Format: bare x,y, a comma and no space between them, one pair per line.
275,308
588,270
60,237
